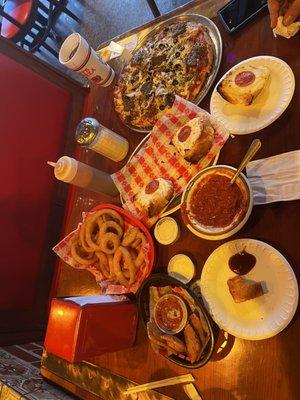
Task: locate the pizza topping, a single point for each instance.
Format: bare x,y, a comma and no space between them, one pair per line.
178,29
139,57
128,103
152,110
152,187
179,66
157,60
184,134
197,56
170,97
162,46
170,62
244,78
146,87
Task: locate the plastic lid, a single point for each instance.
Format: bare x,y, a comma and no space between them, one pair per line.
166,230
66,169
86,131
181,267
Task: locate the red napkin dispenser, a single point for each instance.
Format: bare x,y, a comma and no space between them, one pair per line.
87,326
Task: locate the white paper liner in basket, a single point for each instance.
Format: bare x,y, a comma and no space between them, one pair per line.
159,158
62,249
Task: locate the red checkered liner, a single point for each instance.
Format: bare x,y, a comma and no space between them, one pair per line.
159,158
62,249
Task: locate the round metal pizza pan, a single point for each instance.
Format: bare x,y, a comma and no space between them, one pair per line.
217,50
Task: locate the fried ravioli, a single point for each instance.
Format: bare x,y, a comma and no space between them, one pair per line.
174,343
192,343
196,324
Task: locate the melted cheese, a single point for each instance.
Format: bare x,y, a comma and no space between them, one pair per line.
161,194
237,94
196,126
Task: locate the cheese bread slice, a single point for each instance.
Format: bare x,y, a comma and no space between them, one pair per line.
244,84
154,196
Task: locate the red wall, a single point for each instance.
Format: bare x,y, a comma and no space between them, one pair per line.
33,113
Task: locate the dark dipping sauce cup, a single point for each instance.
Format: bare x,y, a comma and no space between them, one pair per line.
213,208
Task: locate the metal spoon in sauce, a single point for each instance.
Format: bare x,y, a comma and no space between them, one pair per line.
254,147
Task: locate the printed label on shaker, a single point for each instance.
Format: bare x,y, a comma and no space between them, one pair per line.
110,144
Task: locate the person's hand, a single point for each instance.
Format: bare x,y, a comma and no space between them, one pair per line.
290,15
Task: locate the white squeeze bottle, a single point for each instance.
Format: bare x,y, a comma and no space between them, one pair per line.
69,170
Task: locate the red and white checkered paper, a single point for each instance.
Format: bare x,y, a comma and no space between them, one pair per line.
159,158
62,249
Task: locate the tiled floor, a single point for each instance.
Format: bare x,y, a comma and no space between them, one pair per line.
20,378
102,20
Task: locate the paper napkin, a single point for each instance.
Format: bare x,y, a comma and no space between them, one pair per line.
275,178
286,31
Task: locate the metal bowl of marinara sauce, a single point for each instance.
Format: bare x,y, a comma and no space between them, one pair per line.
213,208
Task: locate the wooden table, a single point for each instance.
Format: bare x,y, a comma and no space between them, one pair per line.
267,369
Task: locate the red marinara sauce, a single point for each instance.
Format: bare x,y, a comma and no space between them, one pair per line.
216,202
169,313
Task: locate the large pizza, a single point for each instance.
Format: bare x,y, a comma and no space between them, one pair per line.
175,60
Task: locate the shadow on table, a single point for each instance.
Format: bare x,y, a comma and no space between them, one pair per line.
288,341
223,346
218,393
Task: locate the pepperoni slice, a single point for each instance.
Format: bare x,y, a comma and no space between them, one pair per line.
152,186
244,78
184,133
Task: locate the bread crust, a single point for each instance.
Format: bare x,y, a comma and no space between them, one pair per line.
243,94
167,64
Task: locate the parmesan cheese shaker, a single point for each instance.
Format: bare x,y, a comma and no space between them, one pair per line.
91,134
69,170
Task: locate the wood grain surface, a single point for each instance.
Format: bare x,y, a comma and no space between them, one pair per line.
239,369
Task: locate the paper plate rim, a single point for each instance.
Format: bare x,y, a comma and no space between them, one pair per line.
288,84
227,327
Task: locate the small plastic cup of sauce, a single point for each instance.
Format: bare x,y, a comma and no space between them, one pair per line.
166,231
170,314
181,267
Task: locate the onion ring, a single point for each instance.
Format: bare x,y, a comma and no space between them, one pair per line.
107,240
140,258
92,222
110,259
104,264
109,226
140,239
130,236
79,254
122,254
112,214
97,242
82,238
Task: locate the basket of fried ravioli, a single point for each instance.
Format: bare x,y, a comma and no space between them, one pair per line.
113,246
177,325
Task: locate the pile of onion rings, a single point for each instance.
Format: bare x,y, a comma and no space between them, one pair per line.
103,241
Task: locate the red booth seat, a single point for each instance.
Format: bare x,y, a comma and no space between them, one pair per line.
20,11
34,113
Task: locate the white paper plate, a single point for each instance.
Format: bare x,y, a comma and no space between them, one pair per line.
266,108
259,318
